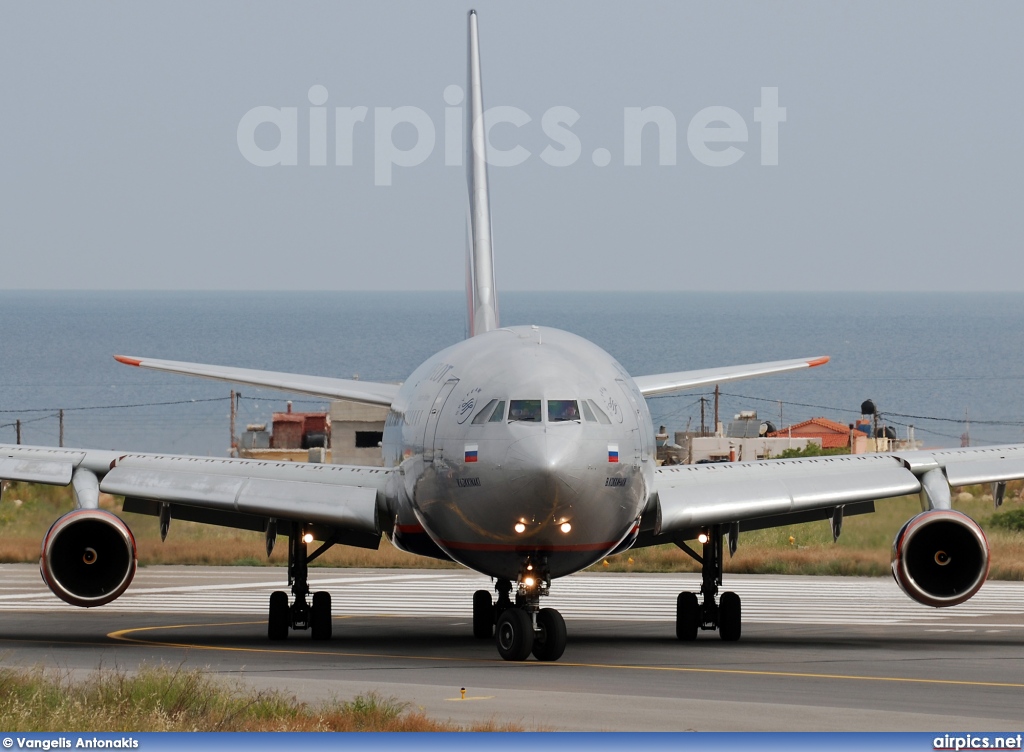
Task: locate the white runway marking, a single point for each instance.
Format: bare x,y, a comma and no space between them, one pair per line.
602,596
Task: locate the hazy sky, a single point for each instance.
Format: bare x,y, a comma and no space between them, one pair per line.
899,164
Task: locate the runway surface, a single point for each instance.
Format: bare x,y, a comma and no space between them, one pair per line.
817,653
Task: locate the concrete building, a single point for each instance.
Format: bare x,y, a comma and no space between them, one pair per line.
356,433
700,449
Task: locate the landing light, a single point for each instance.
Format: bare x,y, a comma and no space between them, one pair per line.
520,527
703,538
307,538
528,581
566,527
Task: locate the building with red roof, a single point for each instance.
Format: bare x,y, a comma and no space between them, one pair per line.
831,434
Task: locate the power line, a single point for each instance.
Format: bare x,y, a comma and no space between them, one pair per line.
886,413
115,407
54,410
26,422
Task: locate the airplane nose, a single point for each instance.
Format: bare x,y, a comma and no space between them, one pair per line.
543,467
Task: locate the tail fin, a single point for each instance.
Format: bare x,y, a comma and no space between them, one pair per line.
481,295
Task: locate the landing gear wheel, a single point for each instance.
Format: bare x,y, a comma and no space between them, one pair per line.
483,615
549,640
280,617
514,635
320,621
729,618
687,616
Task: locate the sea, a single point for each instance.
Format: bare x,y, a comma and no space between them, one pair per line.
949,364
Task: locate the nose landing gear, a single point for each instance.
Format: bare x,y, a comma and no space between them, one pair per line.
521,628
300,615
725,616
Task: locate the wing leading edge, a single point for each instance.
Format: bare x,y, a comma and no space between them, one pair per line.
342,500
767,493
368,392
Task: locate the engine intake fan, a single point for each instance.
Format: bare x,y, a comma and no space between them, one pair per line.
940,558
88,557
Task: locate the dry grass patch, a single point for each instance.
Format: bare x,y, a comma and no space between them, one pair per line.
862,549
164,699
23,525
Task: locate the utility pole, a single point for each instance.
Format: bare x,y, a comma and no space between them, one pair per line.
716,409
703,430
17,430
60,441
234,444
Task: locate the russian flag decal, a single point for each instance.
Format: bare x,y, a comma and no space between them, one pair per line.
471,450
613,452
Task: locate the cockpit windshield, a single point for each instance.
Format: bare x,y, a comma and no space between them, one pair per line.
560,411
524,411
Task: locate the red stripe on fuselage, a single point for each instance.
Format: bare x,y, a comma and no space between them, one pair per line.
409,528
526,547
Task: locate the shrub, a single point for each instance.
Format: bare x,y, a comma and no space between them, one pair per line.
1011,519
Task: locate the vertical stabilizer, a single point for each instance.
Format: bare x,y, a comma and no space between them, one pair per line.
481,296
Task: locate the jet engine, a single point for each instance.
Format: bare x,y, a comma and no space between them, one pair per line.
88,557
940,558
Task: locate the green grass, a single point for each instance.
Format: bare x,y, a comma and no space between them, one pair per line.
166,699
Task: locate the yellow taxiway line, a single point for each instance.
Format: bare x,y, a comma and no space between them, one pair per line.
124,635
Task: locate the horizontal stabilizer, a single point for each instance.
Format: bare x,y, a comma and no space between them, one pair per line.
667,383
368,392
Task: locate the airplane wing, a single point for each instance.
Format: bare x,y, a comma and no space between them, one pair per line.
369,392
667,383
769,493
339,503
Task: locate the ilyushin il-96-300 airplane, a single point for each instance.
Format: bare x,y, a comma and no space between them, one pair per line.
524,453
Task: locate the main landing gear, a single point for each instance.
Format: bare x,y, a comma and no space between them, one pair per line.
300,614
523,627
725,616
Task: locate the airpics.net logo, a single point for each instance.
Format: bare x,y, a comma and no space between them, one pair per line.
715,136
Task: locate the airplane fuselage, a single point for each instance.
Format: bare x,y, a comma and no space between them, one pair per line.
521,445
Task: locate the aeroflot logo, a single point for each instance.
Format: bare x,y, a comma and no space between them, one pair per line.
715,136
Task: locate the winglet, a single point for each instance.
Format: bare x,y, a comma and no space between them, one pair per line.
128,361
817,362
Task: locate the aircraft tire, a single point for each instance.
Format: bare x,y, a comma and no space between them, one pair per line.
277,621
549,641
483,615
514,635
687,617
729,617
320,619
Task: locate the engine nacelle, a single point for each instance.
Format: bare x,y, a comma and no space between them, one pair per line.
88,557
940,558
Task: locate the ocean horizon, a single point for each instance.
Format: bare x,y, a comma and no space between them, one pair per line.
933,360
